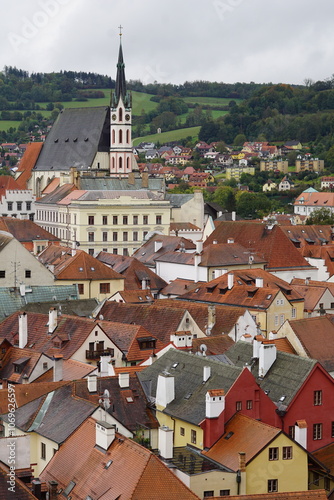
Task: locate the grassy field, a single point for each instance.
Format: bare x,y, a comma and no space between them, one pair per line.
211,101
7,124
172,135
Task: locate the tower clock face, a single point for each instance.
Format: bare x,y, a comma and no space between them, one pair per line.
114,117
127,117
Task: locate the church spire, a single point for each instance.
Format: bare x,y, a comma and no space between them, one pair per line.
120,87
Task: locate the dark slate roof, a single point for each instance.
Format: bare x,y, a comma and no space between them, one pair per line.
11,299
120,184
81,307
55,415
284,378
177,200
75,138
190,391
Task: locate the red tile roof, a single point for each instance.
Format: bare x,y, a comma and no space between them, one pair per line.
25,230
28,162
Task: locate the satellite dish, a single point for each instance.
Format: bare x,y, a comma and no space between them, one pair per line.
101,317
203,348
251,259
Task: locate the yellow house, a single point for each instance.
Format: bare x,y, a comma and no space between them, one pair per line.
235,171
270,165
268,460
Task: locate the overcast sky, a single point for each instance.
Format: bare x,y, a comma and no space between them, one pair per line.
172,40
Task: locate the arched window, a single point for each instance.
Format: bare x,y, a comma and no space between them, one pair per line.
120,114
127,136
128,163
113,136
120,163
121,136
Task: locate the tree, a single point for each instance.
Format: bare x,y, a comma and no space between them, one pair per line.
321,216
225,197
252,205
239,140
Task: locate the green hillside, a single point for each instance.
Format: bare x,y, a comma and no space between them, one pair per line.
171,135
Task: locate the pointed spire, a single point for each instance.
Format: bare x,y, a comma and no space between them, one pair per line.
120,87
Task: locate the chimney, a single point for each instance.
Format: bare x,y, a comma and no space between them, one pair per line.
92,383
53,486
157,245
211,316
206,373
166,442
131,178
301,433
57,368
104,434
214,403
23,330
124,380
36,488
52,319
242,461
199,246
230,240
165,390
272,335
74,248
267,357
257,341
144,179
259,282
230,281
234,216
143,284
307,281
104,362
25,379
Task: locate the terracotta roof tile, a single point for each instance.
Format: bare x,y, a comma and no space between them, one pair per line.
25,230
28,162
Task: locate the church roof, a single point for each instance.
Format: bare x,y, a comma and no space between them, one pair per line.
120,88
75,138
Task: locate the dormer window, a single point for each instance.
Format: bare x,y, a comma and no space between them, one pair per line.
146,343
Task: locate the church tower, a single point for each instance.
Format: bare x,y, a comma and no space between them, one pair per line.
122,160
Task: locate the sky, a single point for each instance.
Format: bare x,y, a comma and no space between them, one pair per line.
174,41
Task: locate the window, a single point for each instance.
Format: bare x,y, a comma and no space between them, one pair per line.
19,205
69,488
31,217
28,204
208,494
135,235
90,236
181,431
45,366
317,431
273,453
293,313
114,236
158,219
332,305
193,436
145,219
135,220
276,319
115,220
125,236
91,220
144,234
81,288
43,451
287,452
125,252
327,483
104,287
292,431
238,406
91,251
249,404
332,429
282,319
2,274
272,485
125,220
28,273
9,205
224,493
104,236
317,398
104,220
115,251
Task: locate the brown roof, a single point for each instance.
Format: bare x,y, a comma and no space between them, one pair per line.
183,226
281,344
312,294
147,254
20,491
26,358
136,296
8,182
178,287
271,244
228,254
317,338
72,370
133,472
315,199
25,230
249,436
28,162
326,456
214,345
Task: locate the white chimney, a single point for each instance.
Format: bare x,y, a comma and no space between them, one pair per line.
157,245
143,284
104,362
165,390
256,347
52,319
259,282
234,216
301,432
57,368
230,281
206,373
23,330
214,403
166,442
267,357
199,246
92,383
105,434
197,261
124,380
230,240
73,250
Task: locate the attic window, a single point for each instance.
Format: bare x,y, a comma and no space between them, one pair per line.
269,296
69,488
174,365
80,268
56,140
129,399
229,435
92,268
67,139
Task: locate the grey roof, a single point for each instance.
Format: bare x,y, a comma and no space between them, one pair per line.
177,200
55,415
284,378
114,195
121,184
58,194
190,391
82,307
11,299
75,138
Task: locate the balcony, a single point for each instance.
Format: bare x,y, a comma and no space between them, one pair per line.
96,354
